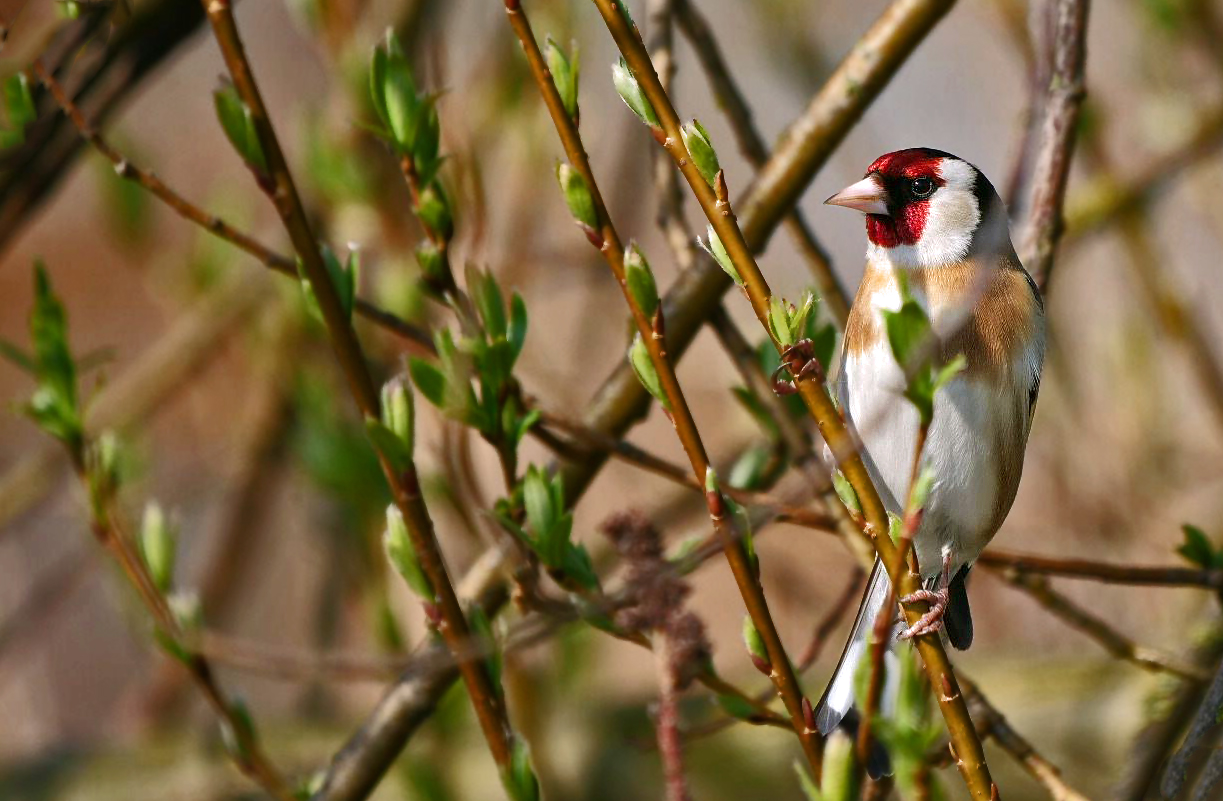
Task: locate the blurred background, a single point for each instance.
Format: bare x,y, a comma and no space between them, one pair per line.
237,422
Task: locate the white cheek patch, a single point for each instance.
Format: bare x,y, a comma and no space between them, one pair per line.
951,220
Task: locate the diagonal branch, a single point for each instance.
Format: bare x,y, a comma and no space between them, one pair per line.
700,35
405,488
1097,629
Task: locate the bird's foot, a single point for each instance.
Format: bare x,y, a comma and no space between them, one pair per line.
932,621
800,360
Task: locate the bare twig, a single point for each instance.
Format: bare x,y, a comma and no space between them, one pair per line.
1112,640
486,698
992,724
1102,571
1051,163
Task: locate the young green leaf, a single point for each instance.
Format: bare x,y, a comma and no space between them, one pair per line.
736,706
845,491
429,380
632,95
519,777
1197,548
390,445
840,768
239,127
640,280
516,334
779,321
753,640
700,147
488,300
715,248
541,515
429,259
908,330
482,632
920,490
402,556
399,411
639,358
433,209
577,195
393,92
810,791
564,71
158,546
19,106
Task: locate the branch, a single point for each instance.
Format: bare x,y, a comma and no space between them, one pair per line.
993,724
734,105
432,669
247,752
714,201
1051,165
651,333
1102,571
140,391
405,488
417,339
1113,641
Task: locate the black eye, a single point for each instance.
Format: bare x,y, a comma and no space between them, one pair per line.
921,187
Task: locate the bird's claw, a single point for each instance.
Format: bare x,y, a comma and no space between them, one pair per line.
932,621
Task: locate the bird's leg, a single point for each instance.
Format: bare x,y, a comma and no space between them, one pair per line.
800,360
932,621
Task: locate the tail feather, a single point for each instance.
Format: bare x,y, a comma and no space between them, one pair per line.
838,698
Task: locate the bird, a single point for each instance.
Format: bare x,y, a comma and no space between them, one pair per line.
937,231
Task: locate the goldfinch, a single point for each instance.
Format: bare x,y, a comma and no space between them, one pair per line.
936,220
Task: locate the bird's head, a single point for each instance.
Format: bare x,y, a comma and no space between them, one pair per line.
927,208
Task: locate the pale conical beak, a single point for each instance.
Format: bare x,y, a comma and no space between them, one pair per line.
867,196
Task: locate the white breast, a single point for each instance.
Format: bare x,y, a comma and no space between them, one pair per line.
977,425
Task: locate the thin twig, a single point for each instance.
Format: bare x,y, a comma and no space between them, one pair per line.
485,697
1144,575
247,753
416,338
1051,163
1112,640
733,103
714,202
993,724
651,333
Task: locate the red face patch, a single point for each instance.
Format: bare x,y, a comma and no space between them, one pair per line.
907,220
